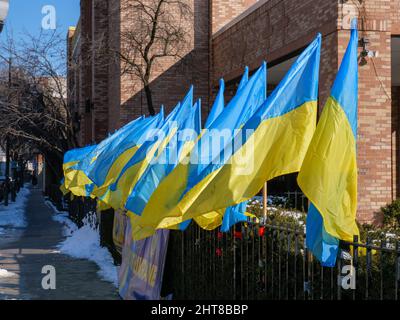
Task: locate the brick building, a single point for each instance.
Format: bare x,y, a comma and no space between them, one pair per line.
230,34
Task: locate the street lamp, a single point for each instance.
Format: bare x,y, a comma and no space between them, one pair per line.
4,6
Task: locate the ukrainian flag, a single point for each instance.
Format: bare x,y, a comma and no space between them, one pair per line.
281,131
218,106
216,110
234,214
164,200
164,162
127,177
214,219
118,152
328,176
231,215
71,171
79,182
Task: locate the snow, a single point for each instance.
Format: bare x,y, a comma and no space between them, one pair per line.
6,274
14,214
84,243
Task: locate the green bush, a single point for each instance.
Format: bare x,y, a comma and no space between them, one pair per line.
391,215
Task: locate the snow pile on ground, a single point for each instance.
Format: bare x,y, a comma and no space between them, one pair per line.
62,217
6,274
14,214
84,243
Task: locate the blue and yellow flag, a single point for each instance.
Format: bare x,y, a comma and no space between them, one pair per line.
216,110
218,106
248,98
114,156
71,171
79,182
274,143
212,220
125,179
328,176
165,161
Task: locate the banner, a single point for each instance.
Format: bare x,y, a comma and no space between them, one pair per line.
119,229
141,272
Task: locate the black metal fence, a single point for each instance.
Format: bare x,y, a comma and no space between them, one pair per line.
271,262
266,261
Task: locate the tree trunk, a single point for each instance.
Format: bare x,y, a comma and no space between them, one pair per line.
149,99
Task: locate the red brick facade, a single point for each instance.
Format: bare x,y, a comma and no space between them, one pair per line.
228,35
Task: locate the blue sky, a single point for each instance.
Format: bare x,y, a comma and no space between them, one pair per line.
26,15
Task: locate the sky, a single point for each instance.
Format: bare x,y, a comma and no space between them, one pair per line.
26,15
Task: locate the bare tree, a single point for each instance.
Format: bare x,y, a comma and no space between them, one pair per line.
34,107
158,29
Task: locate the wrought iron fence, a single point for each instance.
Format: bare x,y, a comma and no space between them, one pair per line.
268,261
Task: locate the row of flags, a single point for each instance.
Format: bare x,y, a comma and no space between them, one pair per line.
167,172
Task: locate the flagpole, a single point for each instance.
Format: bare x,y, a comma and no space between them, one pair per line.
265,199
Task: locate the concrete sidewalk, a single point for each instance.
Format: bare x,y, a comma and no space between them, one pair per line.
24,252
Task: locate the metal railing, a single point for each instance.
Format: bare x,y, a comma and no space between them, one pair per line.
270,262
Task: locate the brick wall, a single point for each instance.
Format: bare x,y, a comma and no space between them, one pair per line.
278,28
114,78
271,30
171,77
85,76
223,11
395,16
375,110
100,64
395,140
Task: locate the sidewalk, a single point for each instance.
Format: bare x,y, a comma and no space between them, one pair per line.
24,252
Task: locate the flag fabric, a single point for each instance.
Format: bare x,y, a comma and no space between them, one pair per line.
233,116
281,131
212,220
80,184
71,161
164,162
116,153
218,106
248,98
142,268
126,178
328,176
234,215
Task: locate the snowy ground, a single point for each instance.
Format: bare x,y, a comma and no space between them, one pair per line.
6,274
14,215
84,243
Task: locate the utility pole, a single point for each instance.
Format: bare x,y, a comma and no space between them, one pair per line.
7,182
4,6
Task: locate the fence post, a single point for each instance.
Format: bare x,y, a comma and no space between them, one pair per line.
306,282
339,276
234,263
381,270
265,201
368,268
355,263
396,295
183,263
296,243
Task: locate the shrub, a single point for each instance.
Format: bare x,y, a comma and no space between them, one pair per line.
391,215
